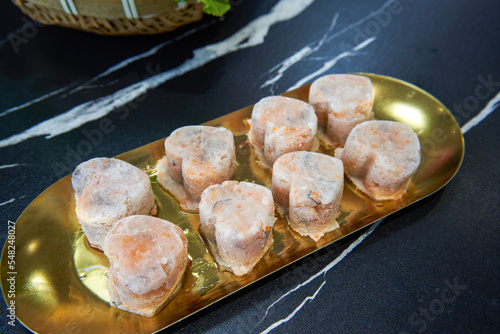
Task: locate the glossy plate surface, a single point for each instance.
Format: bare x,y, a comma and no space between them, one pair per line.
61,282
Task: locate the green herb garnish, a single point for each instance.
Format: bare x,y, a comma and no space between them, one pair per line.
214,7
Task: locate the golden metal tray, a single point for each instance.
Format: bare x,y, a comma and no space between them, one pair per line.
60,282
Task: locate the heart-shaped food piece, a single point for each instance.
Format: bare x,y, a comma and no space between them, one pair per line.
307,188
195,158
148,257
237,219
380,158
280,125
107,190
341,101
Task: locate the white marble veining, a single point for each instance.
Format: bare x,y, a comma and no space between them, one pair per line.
124,63
77,116
98,85
364,19
488,109
307,299
10,166
38,99
330,63
308,50
7,202
312,278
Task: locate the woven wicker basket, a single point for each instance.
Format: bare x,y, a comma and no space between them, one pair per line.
113,17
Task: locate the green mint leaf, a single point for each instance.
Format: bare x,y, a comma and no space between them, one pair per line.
216,7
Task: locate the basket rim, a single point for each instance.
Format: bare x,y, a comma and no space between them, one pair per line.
160,22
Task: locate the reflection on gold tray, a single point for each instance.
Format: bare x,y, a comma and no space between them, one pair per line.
61,282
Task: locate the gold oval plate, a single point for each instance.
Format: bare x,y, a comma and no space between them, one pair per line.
60,282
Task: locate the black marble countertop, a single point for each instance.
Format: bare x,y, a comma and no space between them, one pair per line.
433,267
